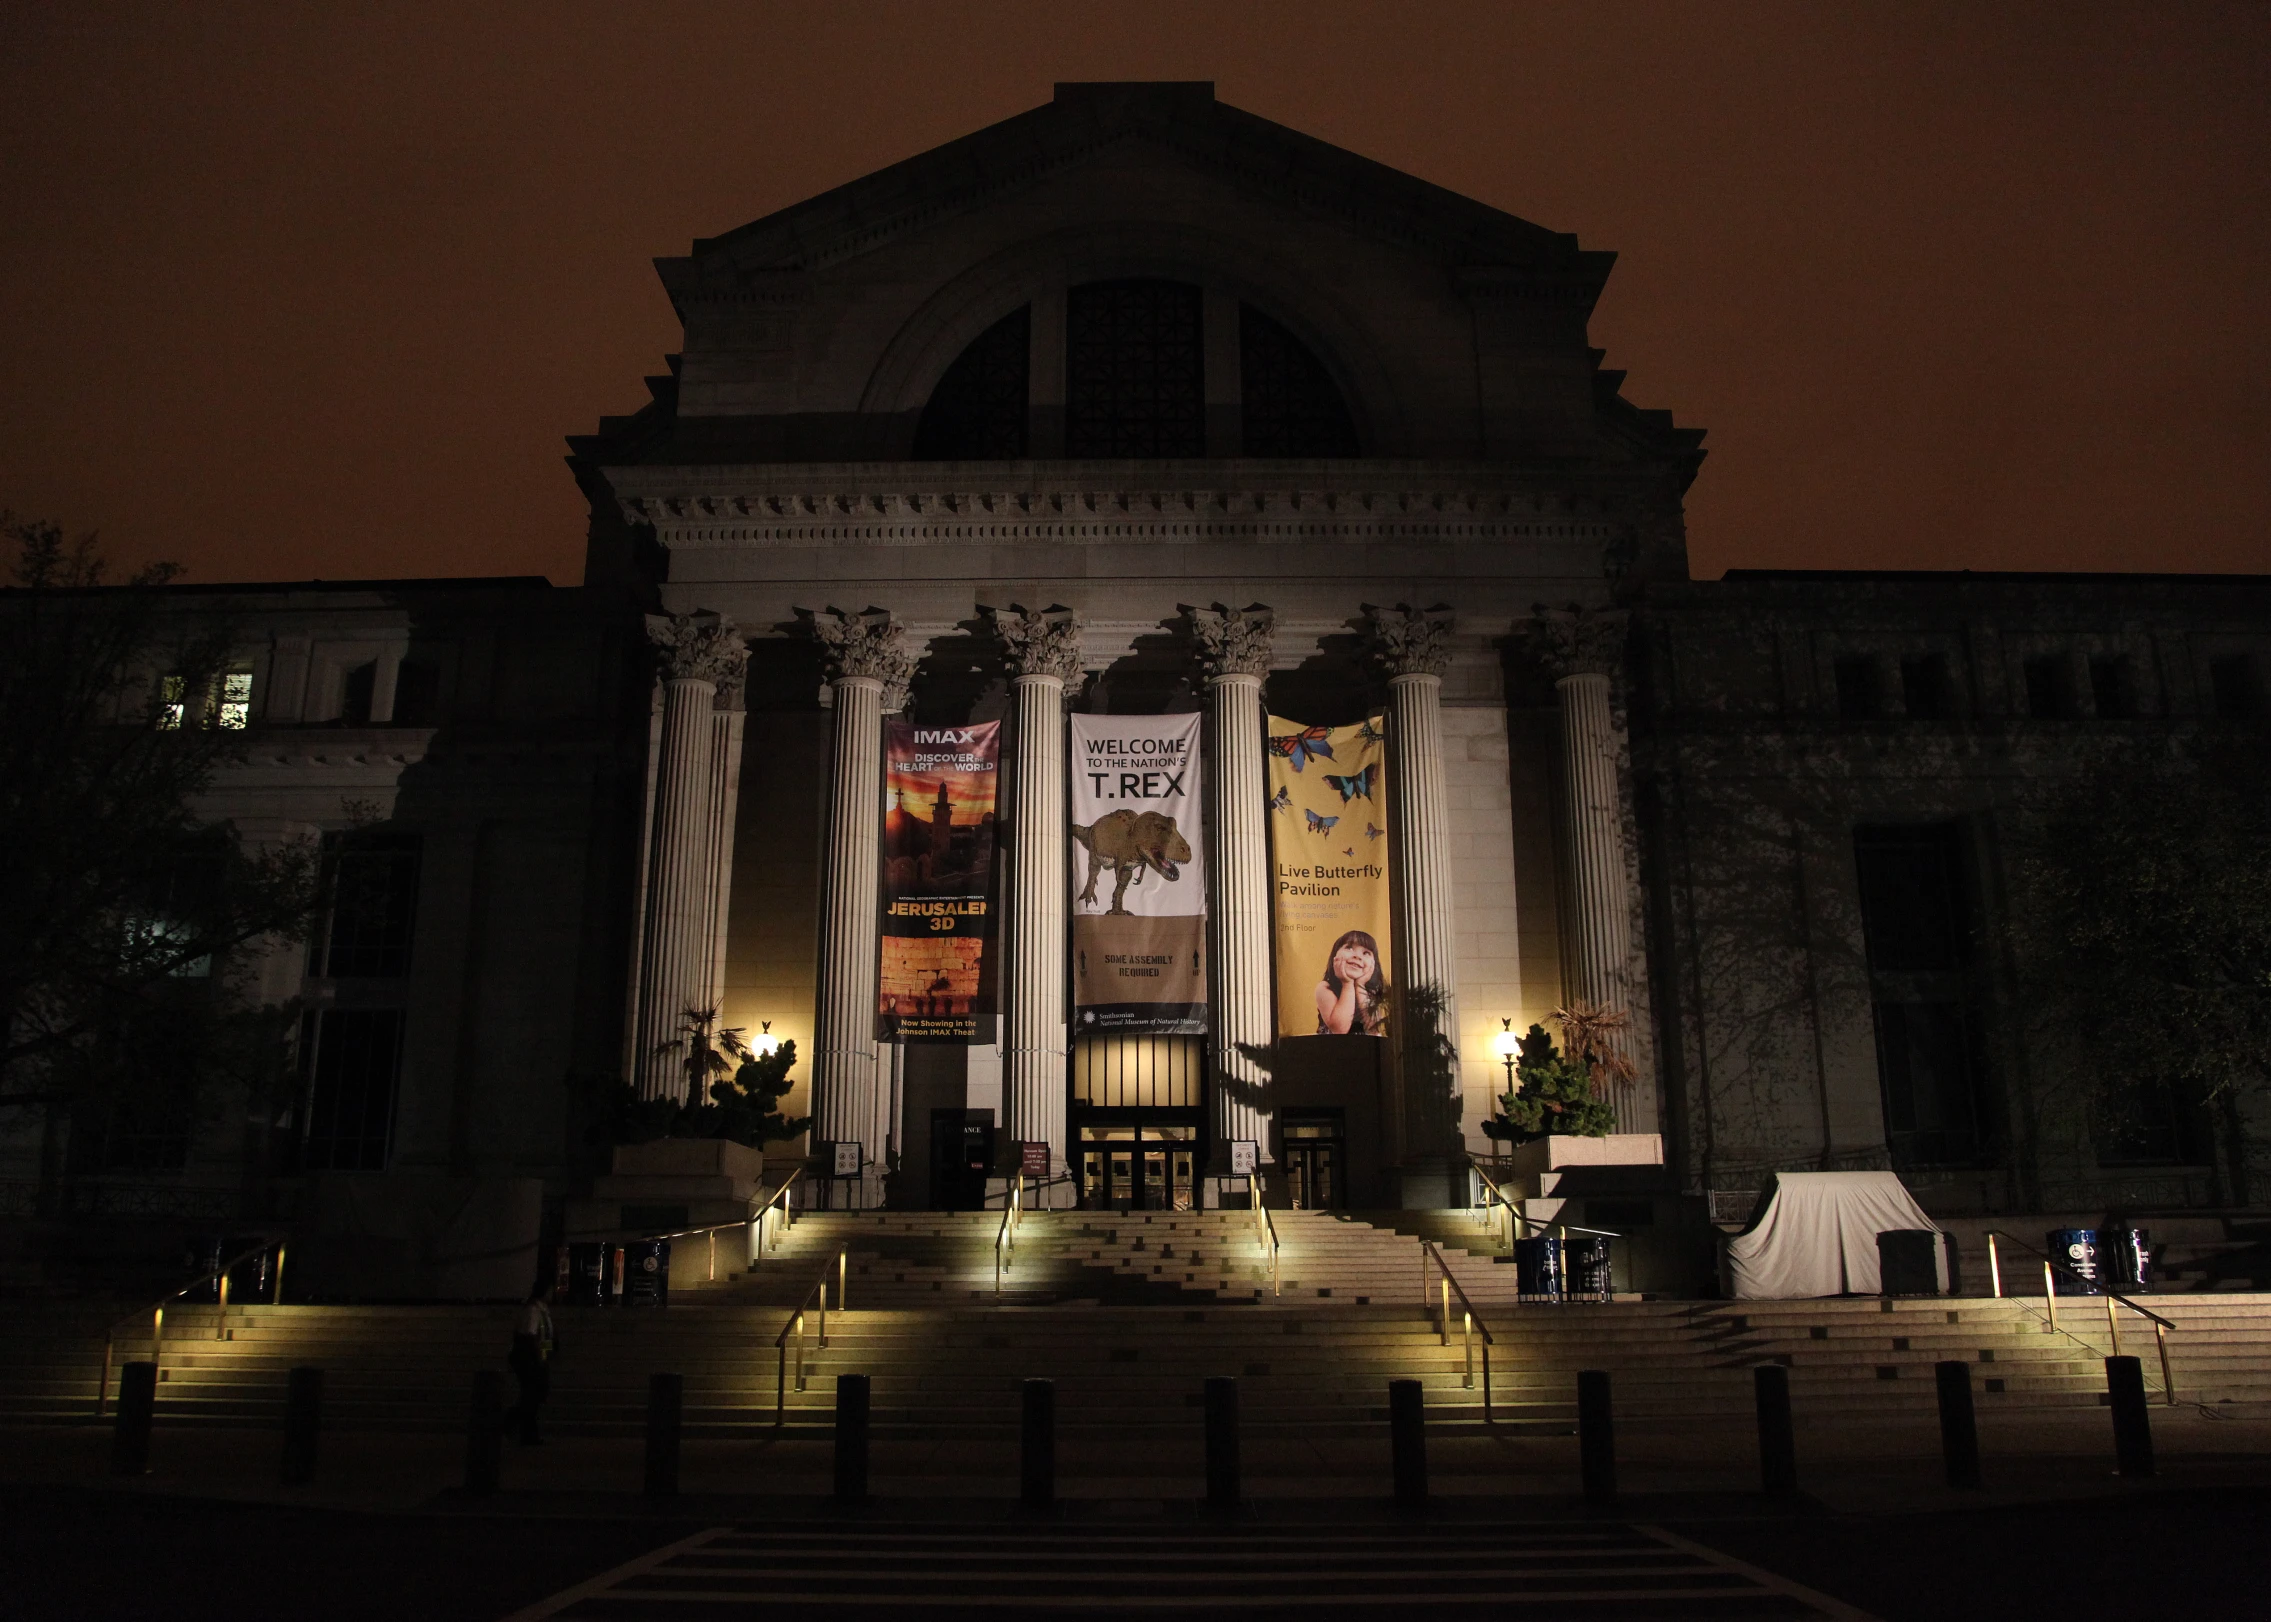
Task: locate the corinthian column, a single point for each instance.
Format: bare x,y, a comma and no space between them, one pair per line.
1043,650
1584,648
1234,651
697,653
1412,649
868,666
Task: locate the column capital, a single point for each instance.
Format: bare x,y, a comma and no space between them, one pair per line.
1577,641
700,646
869,645
1233,641
1407,641
1040,642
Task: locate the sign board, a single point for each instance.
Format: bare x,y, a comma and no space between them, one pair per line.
847,1159
1242,1157
1033,1160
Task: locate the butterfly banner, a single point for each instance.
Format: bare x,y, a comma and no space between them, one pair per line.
938,856
1139,877
1329,856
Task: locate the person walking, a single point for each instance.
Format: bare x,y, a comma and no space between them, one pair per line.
531,1363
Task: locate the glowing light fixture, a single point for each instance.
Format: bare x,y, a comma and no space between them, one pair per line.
1508,1047
766,1043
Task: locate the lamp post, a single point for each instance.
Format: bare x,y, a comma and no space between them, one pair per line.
766,1043
1508,1047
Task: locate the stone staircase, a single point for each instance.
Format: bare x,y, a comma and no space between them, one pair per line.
1129,1314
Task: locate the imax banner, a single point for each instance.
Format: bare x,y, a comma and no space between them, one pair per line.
1139,913
938,865
1329,848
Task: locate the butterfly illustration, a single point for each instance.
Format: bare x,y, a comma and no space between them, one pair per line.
1302,747
1317,824
1370,732
1371,832
1282,800
1357,785
1348,850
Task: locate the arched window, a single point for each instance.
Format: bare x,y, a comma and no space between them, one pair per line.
1290,403
978,412
1135,382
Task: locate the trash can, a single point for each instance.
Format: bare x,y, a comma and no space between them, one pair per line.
2078,1249
646,1273
590,1278
1585,1261
1908,1261
2130,1250
1537,1269
250,1280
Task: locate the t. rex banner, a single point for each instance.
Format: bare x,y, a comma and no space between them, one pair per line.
1139,913
938,862
1329,853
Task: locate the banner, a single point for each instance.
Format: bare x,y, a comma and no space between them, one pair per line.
1328,844
1139,909
938,862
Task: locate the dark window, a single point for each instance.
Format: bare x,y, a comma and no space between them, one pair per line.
1924,686
2232,679
1914,923
1134,372
2110,693
978,411
1857,695
2049,697
417,693
353,1059
1290,403
374,902
355,696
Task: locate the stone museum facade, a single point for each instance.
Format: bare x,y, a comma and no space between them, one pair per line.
1138,406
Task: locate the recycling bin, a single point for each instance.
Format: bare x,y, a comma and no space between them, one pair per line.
2077,1248
591,1274
1537,1268
1908,1261
1585,1262
2130,1250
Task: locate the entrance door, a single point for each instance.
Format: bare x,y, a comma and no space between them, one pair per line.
961,1155
1315,1162
1139,1168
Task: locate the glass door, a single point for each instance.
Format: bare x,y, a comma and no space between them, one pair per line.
1314,1163
1139,1166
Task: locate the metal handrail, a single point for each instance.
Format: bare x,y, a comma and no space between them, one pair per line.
2161,1325
795,1326
157,1312
754,1223
1494,1196
1474,1321
1265,1227
787,1216
1499,1196
1005,1238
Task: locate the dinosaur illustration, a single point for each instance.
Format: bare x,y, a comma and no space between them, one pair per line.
1128,842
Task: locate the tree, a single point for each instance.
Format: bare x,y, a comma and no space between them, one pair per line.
732,1091
1552,1094
2148,924
125,920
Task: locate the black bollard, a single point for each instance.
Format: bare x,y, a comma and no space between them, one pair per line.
137,1406
2132,1422
1222,1442
485,1433
1407,1441
1777,1441
666,1414
1959,1426
851,1438
1596,1437
303,1420
1037,1445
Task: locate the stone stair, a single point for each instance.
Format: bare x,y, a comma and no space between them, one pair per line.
1129,1314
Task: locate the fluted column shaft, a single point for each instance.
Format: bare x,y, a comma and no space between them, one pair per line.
726,723
1425,983
844,1105
1033,1050
1238,908
1597,939
674,960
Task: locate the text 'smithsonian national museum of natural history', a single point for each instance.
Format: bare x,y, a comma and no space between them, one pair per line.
1139,633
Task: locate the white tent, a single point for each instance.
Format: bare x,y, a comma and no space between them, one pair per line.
1818,1236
